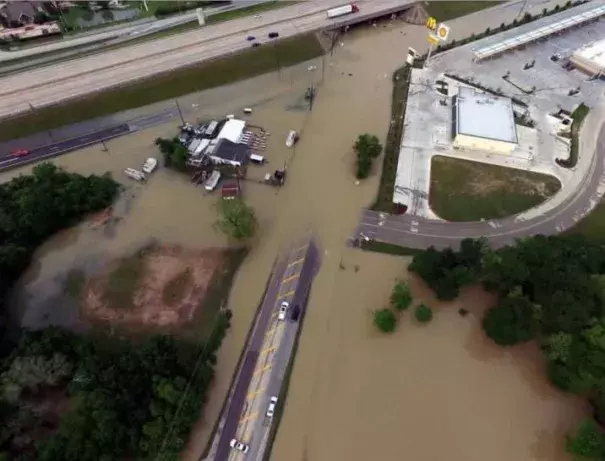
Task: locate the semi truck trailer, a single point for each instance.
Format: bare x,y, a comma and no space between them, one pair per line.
342,10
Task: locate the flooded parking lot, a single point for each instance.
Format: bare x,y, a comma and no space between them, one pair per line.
354,394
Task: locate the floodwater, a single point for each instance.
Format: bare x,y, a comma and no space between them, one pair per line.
354,394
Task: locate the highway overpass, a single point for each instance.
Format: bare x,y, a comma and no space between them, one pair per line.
78,77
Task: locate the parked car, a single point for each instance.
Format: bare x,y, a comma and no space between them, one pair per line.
283,310
295,314
255,45
19,153
272,405
273,35
239,446
250,38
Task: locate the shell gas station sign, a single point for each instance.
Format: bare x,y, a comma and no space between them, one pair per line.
439,31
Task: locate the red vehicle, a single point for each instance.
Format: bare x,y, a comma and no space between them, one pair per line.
20,153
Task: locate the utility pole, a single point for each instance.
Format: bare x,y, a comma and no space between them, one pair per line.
145,5
104,149
50,134
176,101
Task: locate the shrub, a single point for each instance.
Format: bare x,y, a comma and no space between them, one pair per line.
385,320
401,298
423,313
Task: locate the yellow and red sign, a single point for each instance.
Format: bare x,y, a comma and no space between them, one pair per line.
441,30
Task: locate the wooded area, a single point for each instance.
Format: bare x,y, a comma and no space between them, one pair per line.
551,289
88,397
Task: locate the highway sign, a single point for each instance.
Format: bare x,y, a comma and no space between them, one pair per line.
443,31
431,23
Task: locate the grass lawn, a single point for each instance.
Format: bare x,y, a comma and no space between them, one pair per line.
209,74
243,12
469,191
593,225
446,10
384,198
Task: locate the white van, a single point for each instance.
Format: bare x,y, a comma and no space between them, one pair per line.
247,110
257,159
212,181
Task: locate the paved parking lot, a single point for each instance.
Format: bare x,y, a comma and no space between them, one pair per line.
427,128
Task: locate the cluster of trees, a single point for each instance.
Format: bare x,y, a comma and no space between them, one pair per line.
38,205
367,148
236,218
551,289
174,153
127,400
401,299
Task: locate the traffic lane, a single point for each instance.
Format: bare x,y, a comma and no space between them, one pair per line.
284,352
235,407
160,46
244,377
44,92
59,148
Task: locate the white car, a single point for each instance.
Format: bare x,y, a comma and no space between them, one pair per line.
239,446
272,404
283,309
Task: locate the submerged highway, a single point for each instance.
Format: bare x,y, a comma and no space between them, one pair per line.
78,77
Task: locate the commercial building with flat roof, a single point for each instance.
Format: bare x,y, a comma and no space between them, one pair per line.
590,58
481,121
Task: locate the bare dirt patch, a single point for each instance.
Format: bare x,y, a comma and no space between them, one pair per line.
156,287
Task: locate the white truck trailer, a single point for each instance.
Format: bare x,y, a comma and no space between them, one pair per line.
342,10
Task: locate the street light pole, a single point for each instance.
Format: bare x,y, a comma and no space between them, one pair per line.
31,106
179,109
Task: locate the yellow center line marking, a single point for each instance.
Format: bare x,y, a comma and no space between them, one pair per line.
298,261
262,370
249,417
267,350
289,279
289,293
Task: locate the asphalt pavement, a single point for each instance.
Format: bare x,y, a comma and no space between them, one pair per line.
7,161
266,357
414,232
81,76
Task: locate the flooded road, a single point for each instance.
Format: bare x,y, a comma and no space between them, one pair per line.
354,394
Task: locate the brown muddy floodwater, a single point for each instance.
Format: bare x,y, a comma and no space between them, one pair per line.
426,393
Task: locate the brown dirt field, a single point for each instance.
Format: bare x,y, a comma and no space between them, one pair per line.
162,266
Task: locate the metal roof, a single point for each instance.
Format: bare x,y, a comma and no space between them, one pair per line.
483,115
536,34
593,54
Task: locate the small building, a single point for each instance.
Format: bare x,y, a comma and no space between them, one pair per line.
232,130
231,190
482,121
590,59
225,152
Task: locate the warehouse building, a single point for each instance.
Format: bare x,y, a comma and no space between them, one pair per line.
481,121
590,58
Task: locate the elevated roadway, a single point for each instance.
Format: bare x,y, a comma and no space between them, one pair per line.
78,77
266,357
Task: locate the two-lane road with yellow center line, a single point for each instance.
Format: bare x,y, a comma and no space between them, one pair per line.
268,353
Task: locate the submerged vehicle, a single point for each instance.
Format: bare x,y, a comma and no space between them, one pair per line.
135,174
292,138
150,165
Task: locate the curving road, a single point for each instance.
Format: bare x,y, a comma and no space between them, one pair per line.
78,77
415,232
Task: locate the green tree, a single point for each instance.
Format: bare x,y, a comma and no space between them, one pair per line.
364,166
401,297
385,320
512,321
558,346
423,313
587,441
368,145
236,218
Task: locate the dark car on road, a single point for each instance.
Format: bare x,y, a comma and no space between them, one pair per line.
273,35
295,315
250,38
